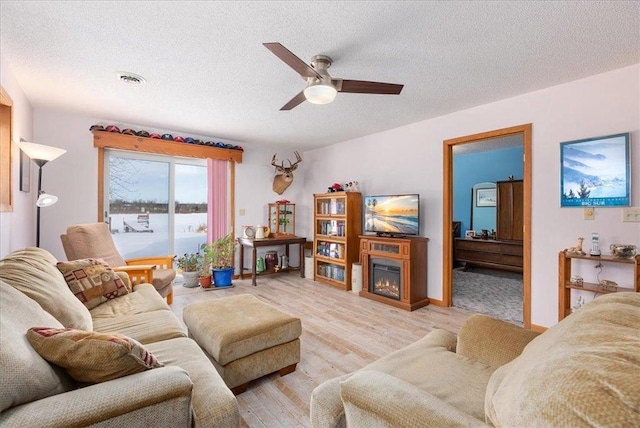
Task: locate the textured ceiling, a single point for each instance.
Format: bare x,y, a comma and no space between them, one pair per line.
208,74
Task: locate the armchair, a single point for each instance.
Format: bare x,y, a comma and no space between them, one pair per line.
93,240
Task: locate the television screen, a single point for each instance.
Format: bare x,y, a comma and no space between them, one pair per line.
392,214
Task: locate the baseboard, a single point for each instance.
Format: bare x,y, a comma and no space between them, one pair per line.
436,302
538,328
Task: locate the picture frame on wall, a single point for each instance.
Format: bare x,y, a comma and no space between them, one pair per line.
596,172
25,172
486,197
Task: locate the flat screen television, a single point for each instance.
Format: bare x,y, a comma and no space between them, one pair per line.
392,215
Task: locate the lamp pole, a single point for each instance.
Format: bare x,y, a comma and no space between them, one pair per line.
40,163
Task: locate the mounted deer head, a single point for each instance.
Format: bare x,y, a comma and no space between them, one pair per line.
284,176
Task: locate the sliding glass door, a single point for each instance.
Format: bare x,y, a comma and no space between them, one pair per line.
156,205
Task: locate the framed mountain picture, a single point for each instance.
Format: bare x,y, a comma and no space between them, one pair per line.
596,172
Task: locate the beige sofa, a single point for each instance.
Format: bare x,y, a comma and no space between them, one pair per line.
584,371
187,391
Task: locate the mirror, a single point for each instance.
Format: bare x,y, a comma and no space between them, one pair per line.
483,206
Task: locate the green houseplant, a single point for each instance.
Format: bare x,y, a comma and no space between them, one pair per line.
190,264
220,253
204,275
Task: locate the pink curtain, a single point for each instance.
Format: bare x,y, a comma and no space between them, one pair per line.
217,226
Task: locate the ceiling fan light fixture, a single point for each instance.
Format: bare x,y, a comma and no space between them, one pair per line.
320,94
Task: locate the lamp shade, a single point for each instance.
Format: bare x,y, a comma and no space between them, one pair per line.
40,151
46,200
320,94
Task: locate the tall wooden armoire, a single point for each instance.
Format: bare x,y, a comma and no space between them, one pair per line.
510,210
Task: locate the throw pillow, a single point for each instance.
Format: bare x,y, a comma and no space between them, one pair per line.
92,281
91,357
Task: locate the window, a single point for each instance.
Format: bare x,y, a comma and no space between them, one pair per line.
155,204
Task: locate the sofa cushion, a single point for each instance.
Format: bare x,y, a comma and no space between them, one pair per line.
33,271
145,298
582,371
92,357
25,375
146,327
92,281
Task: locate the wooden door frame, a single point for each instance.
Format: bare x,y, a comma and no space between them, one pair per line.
447,247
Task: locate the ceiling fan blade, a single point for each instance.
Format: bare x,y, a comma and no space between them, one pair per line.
364,87
292,60
295,101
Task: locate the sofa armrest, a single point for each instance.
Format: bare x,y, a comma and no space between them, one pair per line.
162,394
492,341
326,409
376,399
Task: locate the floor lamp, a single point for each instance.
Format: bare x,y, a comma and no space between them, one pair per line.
40,155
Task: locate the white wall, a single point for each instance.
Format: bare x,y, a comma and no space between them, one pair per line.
406,159
409,159
17,228
254,178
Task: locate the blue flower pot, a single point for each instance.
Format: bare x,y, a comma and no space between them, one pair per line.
222,277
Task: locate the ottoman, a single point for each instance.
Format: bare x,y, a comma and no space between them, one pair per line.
244,338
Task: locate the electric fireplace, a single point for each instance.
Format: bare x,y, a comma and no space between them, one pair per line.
386,277
394,270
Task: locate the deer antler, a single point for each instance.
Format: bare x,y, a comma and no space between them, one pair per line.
293,166
278,167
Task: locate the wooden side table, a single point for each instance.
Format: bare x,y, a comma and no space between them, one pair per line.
271,242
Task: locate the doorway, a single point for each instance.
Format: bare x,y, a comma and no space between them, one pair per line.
525,131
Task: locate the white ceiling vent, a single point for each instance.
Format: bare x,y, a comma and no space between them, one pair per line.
130,78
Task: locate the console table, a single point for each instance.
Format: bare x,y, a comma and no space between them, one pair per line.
491,253
270,242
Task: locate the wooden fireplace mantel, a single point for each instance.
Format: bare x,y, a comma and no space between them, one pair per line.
411,254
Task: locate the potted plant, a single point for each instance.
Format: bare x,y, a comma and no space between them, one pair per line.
204,277
220,253
190,264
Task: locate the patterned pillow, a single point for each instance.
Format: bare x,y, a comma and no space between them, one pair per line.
92,281
91,357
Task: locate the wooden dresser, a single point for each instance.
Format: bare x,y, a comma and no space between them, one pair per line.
505,255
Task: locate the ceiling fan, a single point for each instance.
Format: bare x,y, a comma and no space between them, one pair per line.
321,87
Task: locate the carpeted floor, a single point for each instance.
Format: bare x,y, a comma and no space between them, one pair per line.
491,292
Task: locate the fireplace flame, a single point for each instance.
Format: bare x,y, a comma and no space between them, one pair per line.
384,286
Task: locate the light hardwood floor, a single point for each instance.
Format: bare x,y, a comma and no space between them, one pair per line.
341,333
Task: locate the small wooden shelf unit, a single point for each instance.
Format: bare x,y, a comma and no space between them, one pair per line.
282,219
565,286
337,226
411,253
